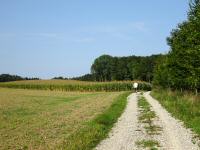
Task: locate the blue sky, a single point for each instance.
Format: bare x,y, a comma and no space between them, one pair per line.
47,38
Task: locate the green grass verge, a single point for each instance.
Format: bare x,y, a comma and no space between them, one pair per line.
97,129
184,106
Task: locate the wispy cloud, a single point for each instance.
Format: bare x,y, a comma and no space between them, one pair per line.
86,34
139,26
131,27
29,35
68,37
83,40
44,35
121,31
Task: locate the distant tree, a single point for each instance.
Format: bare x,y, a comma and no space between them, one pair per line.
58,78
86,77
26,78
8,77
101,69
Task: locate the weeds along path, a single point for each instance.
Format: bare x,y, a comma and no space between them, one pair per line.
176,135
122,136
149,129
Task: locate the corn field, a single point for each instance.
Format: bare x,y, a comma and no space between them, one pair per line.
60,85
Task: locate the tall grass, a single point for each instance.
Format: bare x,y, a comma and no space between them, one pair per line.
58,85
184,106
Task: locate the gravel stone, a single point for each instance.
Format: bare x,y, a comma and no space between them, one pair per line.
127,131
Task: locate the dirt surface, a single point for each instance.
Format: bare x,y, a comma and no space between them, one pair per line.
127,131
177,137
122,136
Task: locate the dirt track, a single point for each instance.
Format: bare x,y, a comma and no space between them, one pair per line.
127,132
122,135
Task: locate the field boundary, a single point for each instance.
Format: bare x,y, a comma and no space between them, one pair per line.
77,86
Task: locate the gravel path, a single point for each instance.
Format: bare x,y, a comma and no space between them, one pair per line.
122,136
176,136
127,130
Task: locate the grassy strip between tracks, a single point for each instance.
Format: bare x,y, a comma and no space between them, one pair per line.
146,117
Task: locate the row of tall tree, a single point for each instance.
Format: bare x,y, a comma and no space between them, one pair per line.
108,68
180,68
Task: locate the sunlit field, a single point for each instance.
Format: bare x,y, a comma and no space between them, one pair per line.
41,119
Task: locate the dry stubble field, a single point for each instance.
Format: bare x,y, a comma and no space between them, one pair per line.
38,119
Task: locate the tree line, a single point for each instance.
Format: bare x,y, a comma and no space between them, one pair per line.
180,68
109,68
8,77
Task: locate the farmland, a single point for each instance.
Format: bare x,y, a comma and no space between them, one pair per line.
42,119
70,85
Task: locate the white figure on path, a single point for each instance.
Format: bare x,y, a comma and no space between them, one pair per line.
135,86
